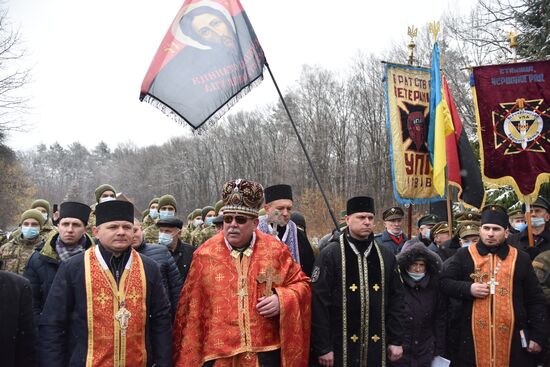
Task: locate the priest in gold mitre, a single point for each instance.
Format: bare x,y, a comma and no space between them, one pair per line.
105,307
503,315
245,302
357,296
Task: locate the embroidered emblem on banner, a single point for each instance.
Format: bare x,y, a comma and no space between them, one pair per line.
414,116
519,126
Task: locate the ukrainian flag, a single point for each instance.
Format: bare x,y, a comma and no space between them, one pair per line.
441,124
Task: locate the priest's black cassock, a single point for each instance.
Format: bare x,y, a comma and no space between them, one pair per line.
357,302
307,258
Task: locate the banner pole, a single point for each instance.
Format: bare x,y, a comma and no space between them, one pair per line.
303,148
528,219
449,209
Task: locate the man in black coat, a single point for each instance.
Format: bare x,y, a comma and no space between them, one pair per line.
17,329
70,240
357,296
169,236
105,305
492,275
540,217
171,277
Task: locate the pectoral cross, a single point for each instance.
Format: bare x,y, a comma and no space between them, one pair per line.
122,316
269,277
478,276
492,285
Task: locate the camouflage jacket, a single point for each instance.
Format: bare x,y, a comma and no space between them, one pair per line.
91,223
204,235
147,222
15,254
47,231
151,234
541,264
185,235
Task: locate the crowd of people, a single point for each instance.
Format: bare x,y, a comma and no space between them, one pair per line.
239,284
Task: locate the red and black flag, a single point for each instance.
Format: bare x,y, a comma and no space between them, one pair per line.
208,59
513,114
462,165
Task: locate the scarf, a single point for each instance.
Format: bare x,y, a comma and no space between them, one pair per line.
65,252
290,237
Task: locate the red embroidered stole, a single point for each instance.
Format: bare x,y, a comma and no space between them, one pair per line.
493,316
107,346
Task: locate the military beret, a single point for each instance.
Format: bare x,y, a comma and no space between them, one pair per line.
41,203
168,200
153,201
393,213
205,211
440,227
429,219
468,229
33,214
101,189
170,222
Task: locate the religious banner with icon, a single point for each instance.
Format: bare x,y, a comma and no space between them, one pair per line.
407,111
208,59
513,116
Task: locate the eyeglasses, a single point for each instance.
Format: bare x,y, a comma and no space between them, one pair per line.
240,219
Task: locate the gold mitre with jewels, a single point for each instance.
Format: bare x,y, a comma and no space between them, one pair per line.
242,196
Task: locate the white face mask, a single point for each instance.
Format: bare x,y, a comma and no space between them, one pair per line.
107,198
45,216
537,222
467,243
416,276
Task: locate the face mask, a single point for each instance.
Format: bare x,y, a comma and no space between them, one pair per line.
165,239
29,232
466,244
520,226
208,221
197,222
398,233
153,213
427,233
107,198
537,222
416,276
165,214
45,216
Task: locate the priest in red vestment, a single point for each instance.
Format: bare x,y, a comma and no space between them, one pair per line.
245,302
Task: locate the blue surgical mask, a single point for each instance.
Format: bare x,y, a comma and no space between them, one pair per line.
197,222
427,233
467,243
29,232
154,213
165,214
520,226
208,221
165,239
416,276
537,222
45,216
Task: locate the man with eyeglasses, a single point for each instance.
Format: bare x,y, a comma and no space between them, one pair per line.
245,302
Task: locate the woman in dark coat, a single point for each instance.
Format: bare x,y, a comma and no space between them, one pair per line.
424,336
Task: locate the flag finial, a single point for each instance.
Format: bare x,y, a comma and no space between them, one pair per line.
412,31
434,29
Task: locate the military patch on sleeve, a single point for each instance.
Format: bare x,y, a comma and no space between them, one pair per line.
315,274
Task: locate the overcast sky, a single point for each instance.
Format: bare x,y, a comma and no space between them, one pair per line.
89,58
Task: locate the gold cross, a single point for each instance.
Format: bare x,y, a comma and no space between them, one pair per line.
354,338
134,296
218,343
376,287
219,277
503,291
503,328
242,293
478,277
102,298
375,338
353,287
122,316
269,278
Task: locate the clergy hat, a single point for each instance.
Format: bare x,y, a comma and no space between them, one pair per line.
42,204
277,192
428,220
494,214
101,189
359,204
170,222
33,214
242,196
73,209
393,213
114,210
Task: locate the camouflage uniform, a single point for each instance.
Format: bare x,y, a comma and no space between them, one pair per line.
195,236
15,254
151,234
185,234
91,222
147,222
205,234
46,232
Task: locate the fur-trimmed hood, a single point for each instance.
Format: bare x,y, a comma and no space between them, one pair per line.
414,249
